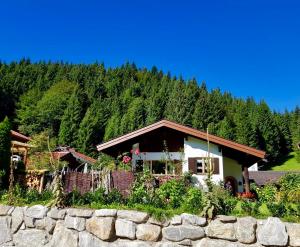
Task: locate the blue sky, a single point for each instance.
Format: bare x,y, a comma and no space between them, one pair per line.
246,47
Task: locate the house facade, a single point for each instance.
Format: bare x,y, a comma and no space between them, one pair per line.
168,148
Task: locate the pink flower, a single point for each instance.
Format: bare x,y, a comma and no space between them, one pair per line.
126,159
137,151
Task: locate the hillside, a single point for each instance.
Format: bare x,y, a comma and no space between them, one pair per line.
82,105
288,163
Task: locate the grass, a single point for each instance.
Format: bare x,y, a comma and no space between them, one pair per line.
288,163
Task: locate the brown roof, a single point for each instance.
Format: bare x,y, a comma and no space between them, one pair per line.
77,155
265,177
187,130
18,136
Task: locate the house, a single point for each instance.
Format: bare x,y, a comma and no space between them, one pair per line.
76,160
19,146
169,148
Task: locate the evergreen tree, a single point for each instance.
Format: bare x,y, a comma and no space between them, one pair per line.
5,145
92,126
73,114
200,118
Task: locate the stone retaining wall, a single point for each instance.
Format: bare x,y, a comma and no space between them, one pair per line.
40,226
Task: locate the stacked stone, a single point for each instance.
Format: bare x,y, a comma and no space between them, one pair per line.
41,226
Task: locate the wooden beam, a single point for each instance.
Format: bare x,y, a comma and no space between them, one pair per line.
246,178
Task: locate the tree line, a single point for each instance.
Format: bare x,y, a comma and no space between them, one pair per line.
82,105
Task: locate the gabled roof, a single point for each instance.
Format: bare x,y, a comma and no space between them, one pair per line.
18,136
62,152
187,130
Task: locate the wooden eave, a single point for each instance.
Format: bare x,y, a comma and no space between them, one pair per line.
188,131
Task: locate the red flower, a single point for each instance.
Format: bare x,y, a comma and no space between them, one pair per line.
126,159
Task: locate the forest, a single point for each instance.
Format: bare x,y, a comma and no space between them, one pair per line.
82,105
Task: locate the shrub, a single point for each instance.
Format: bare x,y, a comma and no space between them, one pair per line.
143,189
277,209
289,182
172,192
114,196
193,200
268,193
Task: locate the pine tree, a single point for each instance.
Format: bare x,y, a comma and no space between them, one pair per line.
175,108
200,118
92,126
5,145
73,114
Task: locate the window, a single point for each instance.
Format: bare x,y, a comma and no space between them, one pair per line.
159,167
199,165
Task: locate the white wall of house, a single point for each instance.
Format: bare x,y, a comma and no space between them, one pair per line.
253,168
156,156
194,147
233,169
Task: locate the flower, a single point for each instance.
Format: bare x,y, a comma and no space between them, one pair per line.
137,151
126,159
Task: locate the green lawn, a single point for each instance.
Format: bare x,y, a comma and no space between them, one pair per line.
289,163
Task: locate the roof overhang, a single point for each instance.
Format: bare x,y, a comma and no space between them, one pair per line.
186,130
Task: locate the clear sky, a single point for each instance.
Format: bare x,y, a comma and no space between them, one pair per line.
246,47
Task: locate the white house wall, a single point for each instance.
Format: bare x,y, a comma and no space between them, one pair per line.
198,148
233,169
157,156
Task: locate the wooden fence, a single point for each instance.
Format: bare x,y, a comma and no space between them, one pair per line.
85,182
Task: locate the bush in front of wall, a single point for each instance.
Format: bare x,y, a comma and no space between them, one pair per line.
193,200
266,194
172,192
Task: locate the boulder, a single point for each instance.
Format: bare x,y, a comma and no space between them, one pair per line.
130,243
75,223
148,232
179,233
88,240
63,237
36,212
125,228
6,210
29,222
176,220
293,231
17,219
84,213
245,230
30,237
5,235
186,242
206,242
163,222
106,213
218,229
101,227
272,233
226,218
47,224
167,244
193,219
57,214
135,216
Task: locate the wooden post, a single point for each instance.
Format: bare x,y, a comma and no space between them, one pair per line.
246,179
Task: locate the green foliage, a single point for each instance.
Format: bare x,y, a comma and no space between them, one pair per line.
172,192
267,193
74,112
193,200
143,189
5,148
